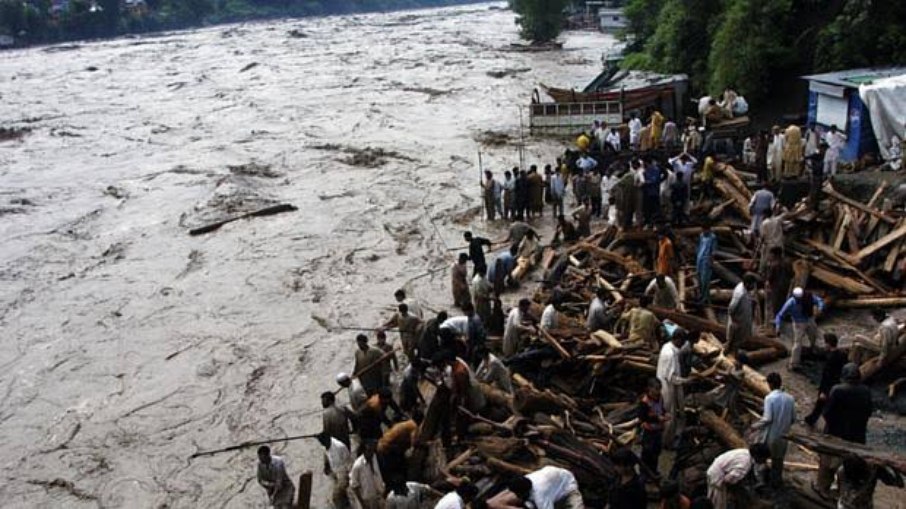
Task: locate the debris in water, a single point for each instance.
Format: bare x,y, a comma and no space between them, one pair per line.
508,72
433,92
493,138
63,484
116,192
255,170
321,321
295,33
13,133
367,157
249,66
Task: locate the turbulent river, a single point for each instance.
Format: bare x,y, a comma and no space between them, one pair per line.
128,345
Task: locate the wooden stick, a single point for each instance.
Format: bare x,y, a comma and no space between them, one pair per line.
556,344
267,211
244,445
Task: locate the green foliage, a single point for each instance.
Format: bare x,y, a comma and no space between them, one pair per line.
864,33
540,20
749,44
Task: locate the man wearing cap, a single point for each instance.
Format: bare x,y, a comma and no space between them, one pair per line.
846,415
357,394
802,309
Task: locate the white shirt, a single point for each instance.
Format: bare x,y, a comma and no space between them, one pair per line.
339,458
597,314
418,494
613,139
458,324
635,128
549,318
451,500
835,142
661,299
368,480
511,332
550,485
668,365
730,467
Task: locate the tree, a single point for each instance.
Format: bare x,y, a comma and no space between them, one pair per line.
541,20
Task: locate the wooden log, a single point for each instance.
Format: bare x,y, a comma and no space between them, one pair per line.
870,302
506,467
607,339
721,271
829,190
628,264
556,344
751,379
729,173
840,232
695,323
617,296
894,387
267,211
875,365
835,280
802,270
891,262
304,500
724,431
833,446
762,355
740,203
718,211
843,261
896,234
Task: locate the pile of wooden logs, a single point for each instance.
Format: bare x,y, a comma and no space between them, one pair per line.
577,391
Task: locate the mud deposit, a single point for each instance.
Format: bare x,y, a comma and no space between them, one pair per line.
127,344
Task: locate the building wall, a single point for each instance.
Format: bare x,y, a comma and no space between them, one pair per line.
860,138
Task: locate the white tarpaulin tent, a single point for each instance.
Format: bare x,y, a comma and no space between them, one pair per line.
885,100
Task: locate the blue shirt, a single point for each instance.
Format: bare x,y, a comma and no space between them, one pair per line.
508,263
558,187
779,414
707,243
794,307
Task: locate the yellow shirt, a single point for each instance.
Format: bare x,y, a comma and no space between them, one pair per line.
708,169
398,438
583,142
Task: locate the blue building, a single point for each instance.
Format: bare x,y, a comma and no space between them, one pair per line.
833,99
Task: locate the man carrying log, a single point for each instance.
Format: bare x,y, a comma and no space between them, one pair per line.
846,416
704,259
644,326
803,307
728,472
669,374
739,315
777,418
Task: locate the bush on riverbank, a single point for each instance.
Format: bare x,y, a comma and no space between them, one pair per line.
752,44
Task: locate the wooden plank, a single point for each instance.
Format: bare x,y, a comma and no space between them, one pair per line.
838,257
304,500
839,233
608,339
835,280
896,234
891,261
556,344
829,190
617,296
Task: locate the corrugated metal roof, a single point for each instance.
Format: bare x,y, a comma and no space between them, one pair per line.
852,78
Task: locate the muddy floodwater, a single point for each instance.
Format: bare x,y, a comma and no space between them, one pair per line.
128,345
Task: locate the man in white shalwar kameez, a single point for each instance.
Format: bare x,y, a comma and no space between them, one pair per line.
731,468
669,373
366,484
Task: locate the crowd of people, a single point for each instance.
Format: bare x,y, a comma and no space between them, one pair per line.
379,442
